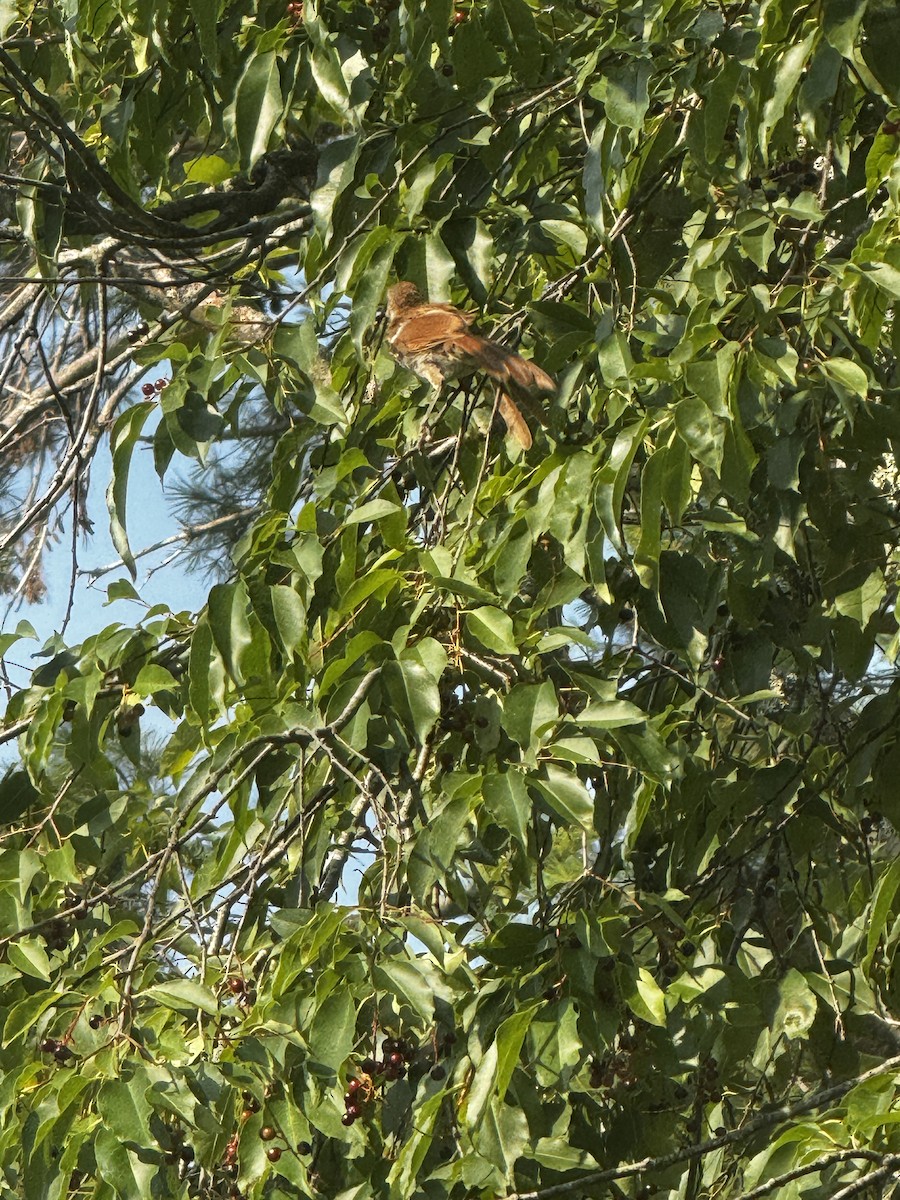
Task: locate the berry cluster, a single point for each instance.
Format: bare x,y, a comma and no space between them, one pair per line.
243,992
356,1097
59,1050
150,389
57,934
396,1053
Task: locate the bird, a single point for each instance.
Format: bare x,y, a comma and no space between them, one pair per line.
434,341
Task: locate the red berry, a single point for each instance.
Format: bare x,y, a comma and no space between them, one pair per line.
267,1133
396,1059
353,1085
160,384
273,1153
354,1111
148,389
235,985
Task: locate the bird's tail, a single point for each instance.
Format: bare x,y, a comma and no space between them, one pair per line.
518,377
515,422
503,365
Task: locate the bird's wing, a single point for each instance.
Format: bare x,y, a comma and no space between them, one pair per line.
426,330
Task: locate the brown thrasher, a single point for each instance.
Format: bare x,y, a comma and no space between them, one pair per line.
434,341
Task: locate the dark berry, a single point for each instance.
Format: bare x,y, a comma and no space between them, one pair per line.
304,1148
273,1153
267,1133
438,1072
391,1073
62,1054
353,1085
235,985
368,1065
96,1021
148,389
396,1059
49,1046
346,1119
187,1154
354,1111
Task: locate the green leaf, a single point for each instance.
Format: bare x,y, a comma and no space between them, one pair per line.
230,625
625,94
207,168
405,980
153,678
861,604
797,1006
184,995
612,479
333,1029
23,1016
123,439
506,796
24,629
880,909
204,14
567,794
29,956
125,1109
846,374
290,616
17,795
258,105
493,628
530,712
415,694
612,714
509,1038
647,1001
372,511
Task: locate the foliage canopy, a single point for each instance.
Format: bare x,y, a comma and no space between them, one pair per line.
575,771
